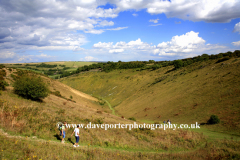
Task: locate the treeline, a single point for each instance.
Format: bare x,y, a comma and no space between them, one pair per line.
109,66
205,57
44,65
81,69
151,64
31,65
106,67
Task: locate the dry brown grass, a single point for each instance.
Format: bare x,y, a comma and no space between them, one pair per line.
29,118
213,87
38,119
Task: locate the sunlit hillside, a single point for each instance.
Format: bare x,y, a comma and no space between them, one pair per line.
186,95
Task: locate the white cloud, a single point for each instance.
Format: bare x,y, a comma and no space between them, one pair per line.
154,20
181,44
103,45
122,46
237,28
156,24
12,57
100,31
194,10
44,56
116,50
116,29
62,24
135,15
93,31
236,43
186,45
47,24
7,55
135,43
90,58
106,23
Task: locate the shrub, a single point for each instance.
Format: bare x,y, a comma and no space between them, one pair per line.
178,63
2,66
223,59
100,112
205,57
98,121
214,119
132,118
101,103
57,93
237,53
2,73
31,87
14,77
3,84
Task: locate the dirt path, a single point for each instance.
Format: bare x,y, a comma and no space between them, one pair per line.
84,95
86,147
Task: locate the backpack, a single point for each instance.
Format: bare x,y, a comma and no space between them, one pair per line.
60,127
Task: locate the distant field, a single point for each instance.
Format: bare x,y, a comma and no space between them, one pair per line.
51,71
73,64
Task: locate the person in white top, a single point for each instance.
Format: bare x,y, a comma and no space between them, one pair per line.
76,131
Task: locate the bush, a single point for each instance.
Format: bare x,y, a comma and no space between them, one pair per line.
132,118
178,63
3,84
57,93
205,57
223,59
31,87
98,121
2,66
214,119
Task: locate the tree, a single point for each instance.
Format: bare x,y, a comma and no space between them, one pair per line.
213,119
205,57
151,61
3,84
178,64
31,87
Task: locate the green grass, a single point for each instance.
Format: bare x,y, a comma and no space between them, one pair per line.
212,134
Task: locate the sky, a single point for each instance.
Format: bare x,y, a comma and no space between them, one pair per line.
113,30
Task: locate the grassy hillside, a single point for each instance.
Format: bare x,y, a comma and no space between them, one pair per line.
186,95
28,128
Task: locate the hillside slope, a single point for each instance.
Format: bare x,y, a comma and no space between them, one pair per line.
28,131
192,93
37,120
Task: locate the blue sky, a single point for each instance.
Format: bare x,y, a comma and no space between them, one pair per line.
112,30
